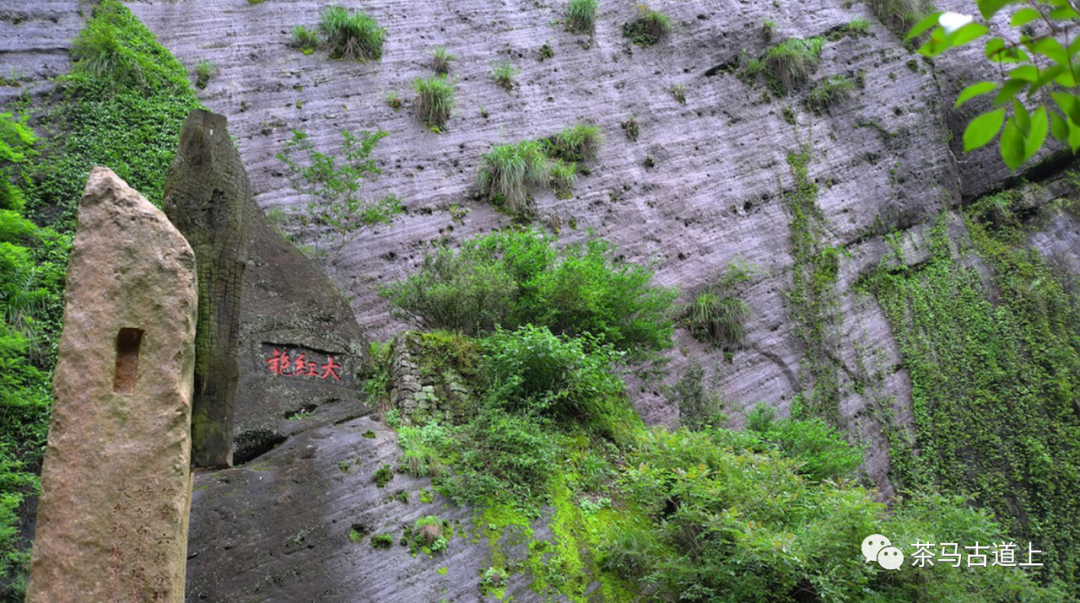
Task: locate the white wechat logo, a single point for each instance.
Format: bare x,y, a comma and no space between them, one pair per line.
876,547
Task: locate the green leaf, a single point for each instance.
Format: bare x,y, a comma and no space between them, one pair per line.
989,8
1046,76
1012,145
937,44
1029,73
1064,13
1059,128
1037,133
1009,90
1021,117
1024,16
920,27
1050,48
983,129
1069,104
974,90
967,33
1074,136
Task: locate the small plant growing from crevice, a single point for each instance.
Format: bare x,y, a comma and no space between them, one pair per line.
546,52
203,72
630,126
768,27
575,144
581,16
561,176
429,535
504,73
827,92
383,476
440,60
679,92
793,60
716,316
393,100
434,100
649,28
304,39
494,581
382,541
852,29
351,35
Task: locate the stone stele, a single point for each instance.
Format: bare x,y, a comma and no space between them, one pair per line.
116,483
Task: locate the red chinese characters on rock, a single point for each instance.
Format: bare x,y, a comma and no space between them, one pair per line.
282,365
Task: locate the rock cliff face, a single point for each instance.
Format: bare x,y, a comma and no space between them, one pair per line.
704,183
701,184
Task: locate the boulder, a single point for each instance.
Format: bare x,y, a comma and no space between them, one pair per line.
116,483
207,195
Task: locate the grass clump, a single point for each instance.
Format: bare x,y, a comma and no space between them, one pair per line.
504,73
852,29
430,535
631,128
575,144
649,28
434,100
440,60
717,316
393,100
351,36
203,72
768,26
509,169
793,60
581,16
306,40
827,92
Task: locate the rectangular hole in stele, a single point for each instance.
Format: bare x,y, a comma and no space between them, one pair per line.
127,360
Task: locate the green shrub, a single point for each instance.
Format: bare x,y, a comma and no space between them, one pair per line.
504,73
337,184
354,36
580,16
574,145
567,379
307,40
515,279
434,100
793,60
649,28
424,449
698,408
440,60
827,92
509,169
203,72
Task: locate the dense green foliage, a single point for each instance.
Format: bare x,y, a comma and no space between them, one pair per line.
512,279
122,107
768,514
336,186
995,376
